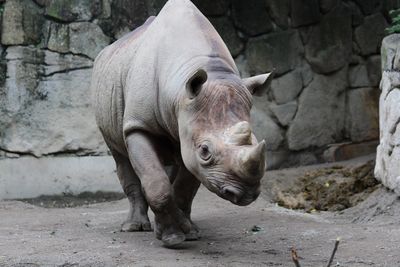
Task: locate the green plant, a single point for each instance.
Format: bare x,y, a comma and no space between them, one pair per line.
395,27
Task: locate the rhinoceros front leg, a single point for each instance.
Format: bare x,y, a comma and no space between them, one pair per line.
185,188
137,218
171,223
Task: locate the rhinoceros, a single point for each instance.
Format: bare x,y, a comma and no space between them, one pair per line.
169,94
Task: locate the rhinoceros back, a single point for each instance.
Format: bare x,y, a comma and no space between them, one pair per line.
107,86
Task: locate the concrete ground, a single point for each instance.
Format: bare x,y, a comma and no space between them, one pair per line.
89,235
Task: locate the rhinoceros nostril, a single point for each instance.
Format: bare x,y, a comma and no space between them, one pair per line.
231,193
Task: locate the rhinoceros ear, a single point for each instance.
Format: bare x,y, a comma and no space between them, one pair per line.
195,83
259,84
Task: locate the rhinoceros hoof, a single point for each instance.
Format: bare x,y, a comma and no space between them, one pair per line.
172,240
135,226
194,233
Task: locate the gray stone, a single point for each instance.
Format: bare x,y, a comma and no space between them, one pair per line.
86,38
264,126
279,11
287,87
370,34
58,39
228,33
154,6
389,50
251,16
358,76
304,12
327,5
374,70
306,73
285,113
320,116
46,106
357,17
280,51
369,6
362,123
330,44
22,23
73,10
242,65
212,7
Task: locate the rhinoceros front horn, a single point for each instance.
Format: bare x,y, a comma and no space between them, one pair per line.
252,161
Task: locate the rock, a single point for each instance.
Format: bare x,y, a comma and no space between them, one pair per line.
387,168
346,151
251,16
73,10
369,6
362,123
242,65
154,6
86,38
228,33
279,11
22,23
54,88
374,70
58,39
287,87
285,113
389,50
320,116
263,125
370,34
212,7
306,73
126,15
280,51
327,5
304,12
358,76
330,44
357,17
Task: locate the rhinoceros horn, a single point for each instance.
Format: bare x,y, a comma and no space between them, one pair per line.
251,161
240,134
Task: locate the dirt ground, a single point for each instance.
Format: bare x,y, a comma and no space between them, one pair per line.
261,234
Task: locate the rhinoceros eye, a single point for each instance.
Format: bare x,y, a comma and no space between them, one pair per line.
204,152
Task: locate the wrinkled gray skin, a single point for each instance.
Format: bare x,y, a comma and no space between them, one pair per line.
169,93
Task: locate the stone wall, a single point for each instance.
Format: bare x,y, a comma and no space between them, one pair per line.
387,167
325,53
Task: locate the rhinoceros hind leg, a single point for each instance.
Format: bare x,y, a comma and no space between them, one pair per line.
138,219
185,189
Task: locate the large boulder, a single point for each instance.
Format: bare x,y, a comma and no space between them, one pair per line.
329,45
279,11
280,51
287,87
304,12
369,35
320,116
47,104
362,122
387,167
251,16
73,10
22,23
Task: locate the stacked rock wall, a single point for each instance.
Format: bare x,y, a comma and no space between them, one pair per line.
387,167
325,53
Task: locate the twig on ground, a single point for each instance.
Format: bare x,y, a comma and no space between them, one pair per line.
333,252
295,258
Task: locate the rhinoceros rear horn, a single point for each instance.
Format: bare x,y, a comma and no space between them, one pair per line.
195,83
259,84
252,161
240,134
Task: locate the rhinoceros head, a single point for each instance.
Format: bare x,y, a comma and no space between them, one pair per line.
217,144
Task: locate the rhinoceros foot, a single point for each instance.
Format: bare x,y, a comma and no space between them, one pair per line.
134,226
171,228
194,233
